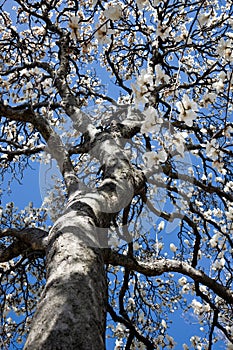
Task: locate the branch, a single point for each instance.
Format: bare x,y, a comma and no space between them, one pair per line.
25,151
158,267
25,115
129,325
26,240
56,147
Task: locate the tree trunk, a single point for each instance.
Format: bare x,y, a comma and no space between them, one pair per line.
72,310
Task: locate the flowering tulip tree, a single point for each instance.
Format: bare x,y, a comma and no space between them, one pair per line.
127,105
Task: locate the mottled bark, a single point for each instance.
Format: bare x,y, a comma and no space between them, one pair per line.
72,310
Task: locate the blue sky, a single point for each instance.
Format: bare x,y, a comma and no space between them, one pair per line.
30,190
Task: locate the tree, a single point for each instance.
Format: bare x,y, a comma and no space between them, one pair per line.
132,101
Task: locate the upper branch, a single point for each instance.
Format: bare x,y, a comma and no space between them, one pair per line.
54,142
158,267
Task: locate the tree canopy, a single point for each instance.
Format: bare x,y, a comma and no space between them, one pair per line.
127,106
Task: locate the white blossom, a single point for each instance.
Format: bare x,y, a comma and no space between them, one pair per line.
118,344
203,18
74,22
131,305
144,84
185,289
141,4
218,264
224,49
209,98
161,77
182,281
218,85
38,30
228,187
113,12
171,341
187,109
29,86
179,142
151,123
214,240
229,213
173,248
163,31
203,289
197,307
153,158
141,317
119,330
102,34
212,149
195,340
161,226
164,324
